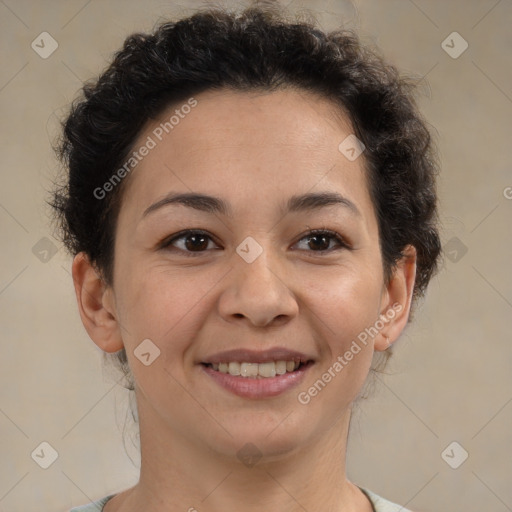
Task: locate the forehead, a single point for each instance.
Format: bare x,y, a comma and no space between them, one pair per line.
276,143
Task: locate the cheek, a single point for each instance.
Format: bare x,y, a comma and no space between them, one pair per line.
166,308
344,307
343,310
346,300
163,304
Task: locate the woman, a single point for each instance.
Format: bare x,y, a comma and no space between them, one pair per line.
251,207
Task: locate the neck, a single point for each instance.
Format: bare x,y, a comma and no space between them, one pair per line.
180,474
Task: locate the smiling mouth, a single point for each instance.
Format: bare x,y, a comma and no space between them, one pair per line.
258,370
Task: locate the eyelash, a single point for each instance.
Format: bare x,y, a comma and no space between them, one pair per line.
166,244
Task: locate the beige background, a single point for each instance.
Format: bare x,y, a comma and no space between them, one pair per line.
451,377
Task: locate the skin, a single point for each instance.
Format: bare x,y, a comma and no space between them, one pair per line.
254,150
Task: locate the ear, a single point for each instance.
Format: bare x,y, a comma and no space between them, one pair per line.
397,299
96,305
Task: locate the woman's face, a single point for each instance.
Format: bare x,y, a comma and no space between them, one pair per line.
252,280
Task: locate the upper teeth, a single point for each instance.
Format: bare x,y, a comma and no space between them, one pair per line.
270,369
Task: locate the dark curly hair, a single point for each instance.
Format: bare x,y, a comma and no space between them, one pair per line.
258,49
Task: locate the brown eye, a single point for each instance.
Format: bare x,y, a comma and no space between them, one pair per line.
196,242
188,242
321,240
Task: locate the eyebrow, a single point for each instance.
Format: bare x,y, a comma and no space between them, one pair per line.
211,204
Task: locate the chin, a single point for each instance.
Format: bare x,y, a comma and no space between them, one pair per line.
271,440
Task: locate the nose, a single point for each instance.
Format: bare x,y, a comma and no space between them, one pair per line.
257,293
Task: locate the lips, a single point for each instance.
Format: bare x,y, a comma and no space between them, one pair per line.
257,374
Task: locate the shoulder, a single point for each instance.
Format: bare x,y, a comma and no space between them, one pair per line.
96,506
382,505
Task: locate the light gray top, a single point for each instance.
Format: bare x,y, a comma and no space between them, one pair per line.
379,504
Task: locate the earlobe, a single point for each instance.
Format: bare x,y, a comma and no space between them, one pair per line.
96,305
397,300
